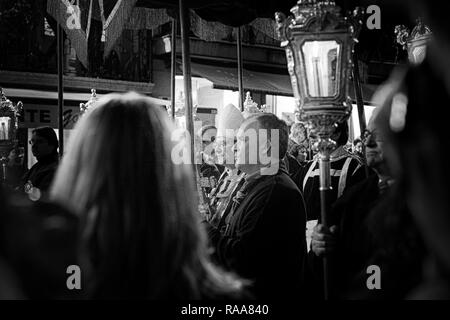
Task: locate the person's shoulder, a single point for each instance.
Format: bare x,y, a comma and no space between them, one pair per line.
20,206
282,187
356,190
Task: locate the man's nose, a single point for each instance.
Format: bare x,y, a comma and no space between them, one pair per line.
370,143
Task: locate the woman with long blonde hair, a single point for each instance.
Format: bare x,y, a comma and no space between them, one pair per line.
140,233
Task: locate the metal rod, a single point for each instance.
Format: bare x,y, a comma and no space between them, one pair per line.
360,104
358,93
240,69
60,58
173,55
185,51
325,188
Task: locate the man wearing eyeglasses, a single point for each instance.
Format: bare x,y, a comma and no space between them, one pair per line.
370,225
44,146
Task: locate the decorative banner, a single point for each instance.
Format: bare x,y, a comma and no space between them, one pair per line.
147,19
208,30
114,14
75,16
266,26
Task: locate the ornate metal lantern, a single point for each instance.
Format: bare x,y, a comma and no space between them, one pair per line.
9,117
319,44
90,103
415,42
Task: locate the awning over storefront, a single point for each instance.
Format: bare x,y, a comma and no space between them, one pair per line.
73,96
41,107
226,78
262,82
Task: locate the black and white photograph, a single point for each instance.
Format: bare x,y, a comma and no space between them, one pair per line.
222,156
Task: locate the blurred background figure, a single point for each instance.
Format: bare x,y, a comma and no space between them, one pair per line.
44,146
15,168
140,230
208,170
357,148
229,120
370,225
417,143
298,146
37,244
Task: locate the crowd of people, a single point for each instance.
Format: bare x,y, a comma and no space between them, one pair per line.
239,225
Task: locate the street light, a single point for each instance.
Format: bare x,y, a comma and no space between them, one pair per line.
415,42
9,117
84,107
319,43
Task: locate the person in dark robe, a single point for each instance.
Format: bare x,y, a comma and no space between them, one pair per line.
346,170
264,237
44,146
294,168
298,145
418,147
370,226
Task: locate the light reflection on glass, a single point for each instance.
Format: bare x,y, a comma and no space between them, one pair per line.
321,67
4,128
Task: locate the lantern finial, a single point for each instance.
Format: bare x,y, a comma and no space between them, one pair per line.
90,103
414,41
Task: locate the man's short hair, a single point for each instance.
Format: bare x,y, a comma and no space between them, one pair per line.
48,134
269,121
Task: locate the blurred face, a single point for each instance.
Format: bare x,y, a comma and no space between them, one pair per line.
40,146
244,148
374,145
208,144
224,151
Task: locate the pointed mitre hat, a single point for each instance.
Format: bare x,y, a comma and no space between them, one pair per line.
229,118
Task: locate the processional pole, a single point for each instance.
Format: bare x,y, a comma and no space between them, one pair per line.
358,94
185,50
60,57
318,43
173,55
240,68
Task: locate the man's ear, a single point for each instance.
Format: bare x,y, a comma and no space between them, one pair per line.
269,147
266,148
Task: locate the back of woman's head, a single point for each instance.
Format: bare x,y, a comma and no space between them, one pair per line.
140,233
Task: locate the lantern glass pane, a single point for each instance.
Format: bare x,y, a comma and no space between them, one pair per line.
418,54
322,67
5,126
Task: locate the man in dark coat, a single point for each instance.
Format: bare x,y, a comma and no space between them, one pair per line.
44,145
346,170
369,226
264,236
